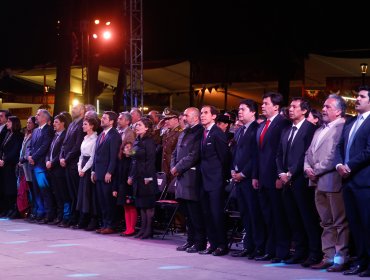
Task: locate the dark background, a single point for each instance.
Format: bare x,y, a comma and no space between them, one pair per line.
190,29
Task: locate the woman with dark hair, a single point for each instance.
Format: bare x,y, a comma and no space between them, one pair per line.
9,155
86,199
315,117
25,172
143,175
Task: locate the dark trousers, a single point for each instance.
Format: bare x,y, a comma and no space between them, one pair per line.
357,205
106,202
298,234
299,202
251,216
278,235
60,191
73,180
49,203
213,214
194,222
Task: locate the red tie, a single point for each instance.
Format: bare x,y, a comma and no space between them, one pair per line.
205,132
264,131
102,138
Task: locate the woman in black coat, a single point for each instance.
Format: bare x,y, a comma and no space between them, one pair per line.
9,156
143,175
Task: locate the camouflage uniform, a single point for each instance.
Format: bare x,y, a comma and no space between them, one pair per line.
169,141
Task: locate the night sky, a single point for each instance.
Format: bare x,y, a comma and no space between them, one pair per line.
188,29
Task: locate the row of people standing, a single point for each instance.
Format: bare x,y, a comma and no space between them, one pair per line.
288,177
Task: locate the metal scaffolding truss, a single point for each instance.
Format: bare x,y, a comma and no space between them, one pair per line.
135,86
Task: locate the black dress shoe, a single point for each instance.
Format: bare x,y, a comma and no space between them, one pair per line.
184,246
195,249
355,270
365,273
79,226
36,220
56,221
207,251
310,261
242,253
30,218
265,257
255,254
127,234
64,224
220,252
43,221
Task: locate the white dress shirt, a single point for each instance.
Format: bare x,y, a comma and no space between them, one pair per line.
87,149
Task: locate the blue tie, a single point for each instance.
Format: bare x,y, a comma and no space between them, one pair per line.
356,126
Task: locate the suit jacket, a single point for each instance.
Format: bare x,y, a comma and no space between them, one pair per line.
214,160
9,152
10,148
266,169
55,163
359,154
300,144
106,154
70,150
186,159
245,150
320,157
3,133
40,143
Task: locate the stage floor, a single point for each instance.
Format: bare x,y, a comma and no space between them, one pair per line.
32,251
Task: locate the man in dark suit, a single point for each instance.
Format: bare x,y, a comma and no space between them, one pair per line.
68,158
185,166
266,179
56,172
352,163
214,168
104,165
243,164
40,142
298,198
4,114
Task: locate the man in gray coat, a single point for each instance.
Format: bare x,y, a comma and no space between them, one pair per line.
185,166
319,167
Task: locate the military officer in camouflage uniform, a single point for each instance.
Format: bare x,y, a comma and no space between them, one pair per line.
169,140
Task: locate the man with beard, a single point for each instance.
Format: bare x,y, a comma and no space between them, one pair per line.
103,168
352,164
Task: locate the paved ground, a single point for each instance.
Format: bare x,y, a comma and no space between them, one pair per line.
31,251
